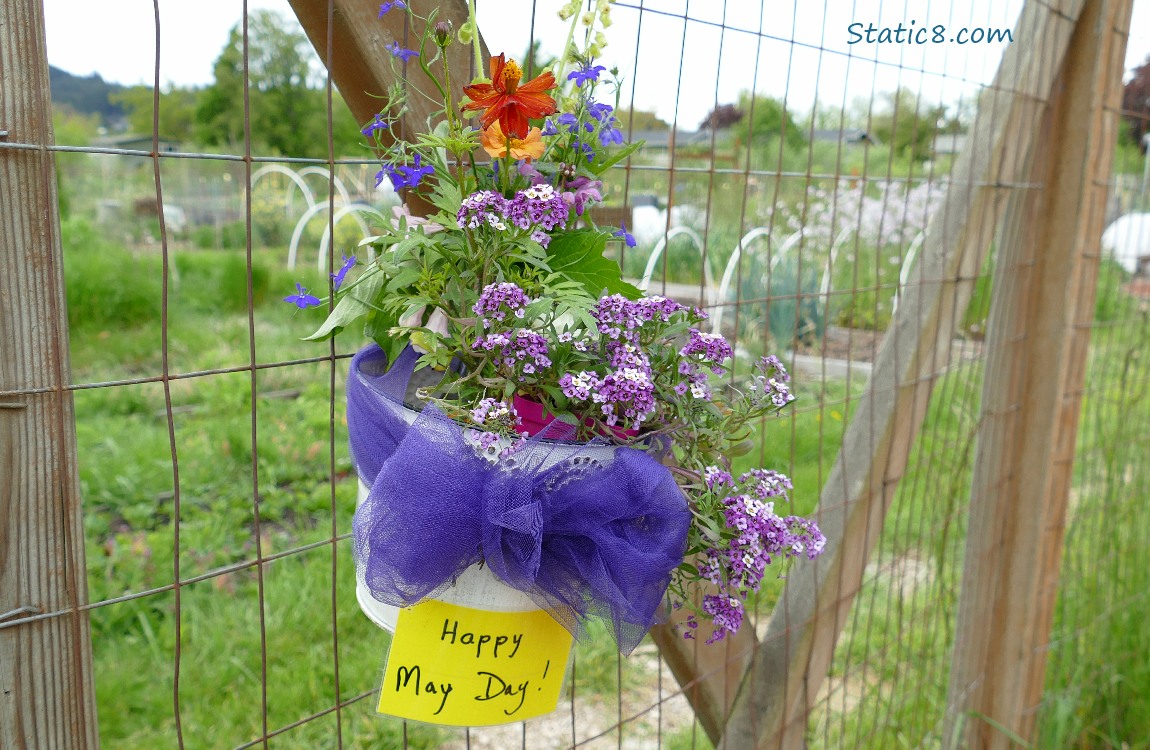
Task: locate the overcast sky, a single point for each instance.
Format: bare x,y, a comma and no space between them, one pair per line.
683,67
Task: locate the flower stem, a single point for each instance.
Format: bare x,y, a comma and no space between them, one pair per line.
475,38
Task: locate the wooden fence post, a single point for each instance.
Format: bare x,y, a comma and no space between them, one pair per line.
361,67
779,689
46,686
1042,309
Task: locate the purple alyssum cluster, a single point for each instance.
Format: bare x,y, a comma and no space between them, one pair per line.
619,318
497,300
538,209
757,537
521,350
770,382
481,208
492,411
628,394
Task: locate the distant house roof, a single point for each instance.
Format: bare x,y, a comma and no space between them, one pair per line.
139,143
843,135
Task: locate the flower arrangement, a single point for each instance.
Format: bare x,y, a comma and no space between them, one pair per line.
506,295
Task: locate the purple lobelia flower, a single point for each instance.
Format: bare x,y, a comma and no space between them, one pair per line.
338,276
302,299
587,73
405,176
383,9
377,123
627,236
397,51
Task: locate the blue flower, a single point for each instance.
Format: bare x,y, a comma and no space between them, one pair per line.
549,127
388,6
587,73
378,123
627,236
338,276
569,121
406,177
609,135
402,54
600,111
587,151
303,300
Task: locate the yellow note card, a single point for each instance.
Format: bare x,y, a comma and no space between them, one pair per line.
459,666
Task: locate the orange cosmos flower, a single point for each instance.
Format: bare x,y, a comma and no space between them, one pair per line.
505,101
496,144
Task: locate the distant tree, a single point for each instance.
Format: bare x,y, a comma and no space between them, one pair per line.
827,117
1136,102
288,109
177,111
721,117
764,118
907,125
86,95
74,128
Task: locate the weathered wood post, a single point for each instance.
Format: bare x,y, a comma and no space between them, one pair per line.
1042,309
46,685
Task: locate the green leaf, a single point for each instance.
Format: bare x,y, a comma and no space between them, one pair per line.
447,198
599,167
406,277
579,256
356,302
377,327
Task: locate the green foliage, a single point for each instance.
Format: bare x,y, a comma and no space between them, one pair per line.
73,128
764,117
177,111
1111,304
1098,679
795,312
101,293
288,113
909,124
230,236
89,95
579,256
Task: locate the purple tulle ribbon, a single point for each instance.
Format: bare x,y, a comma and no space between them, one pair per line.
584,530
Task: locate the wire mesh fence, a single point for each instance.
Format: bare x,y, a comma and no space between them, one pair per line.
883,216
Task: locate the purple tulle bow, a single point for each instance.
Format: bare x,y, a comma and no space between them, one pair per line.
584,530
